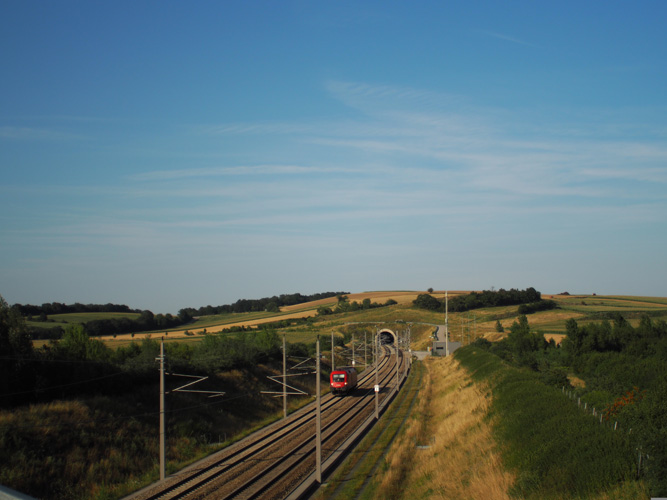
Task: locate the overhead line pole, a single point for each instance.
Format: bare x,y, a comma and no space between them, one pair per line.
162,418
365,349
318,419
284,377
397,349
446,323
353,361
406,350
377,362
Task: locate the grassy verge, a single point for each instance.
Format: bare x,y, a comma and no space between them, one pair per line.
443,449
447,451
555,450
354,479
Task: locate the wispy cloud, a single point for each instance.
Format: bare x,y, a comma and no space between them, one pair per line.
401,165
244,170
35,134
506,38
251,128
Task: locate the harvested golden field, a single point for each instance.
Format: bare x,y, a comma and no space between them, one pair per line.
401,297
557,338
447,451
304,310
194,330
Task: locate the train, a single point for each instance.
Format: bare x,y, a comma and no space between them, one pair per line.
343,381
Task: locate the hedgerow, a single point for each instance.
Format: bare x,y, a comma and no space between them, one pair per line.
556,449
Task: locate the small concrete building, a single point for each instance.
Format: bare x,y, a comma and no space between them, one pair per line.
439,348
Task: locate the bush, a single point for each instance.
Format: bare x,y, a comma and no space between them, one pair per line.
533,307
556,449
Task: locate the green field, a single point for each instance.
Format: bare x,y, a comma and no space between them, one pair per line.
467,325
79,318
137,399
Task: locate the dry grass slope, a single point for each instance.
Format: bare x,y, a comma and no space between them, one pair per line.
447,451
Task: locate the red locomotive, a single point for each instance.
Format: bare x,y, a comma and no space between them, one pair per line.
343,380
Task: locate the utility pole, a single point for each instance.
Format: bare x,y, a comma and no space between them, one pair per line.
397,349
377,386
406,348
284,377
162,411
318,419
365,349
446,323
333,362
353,361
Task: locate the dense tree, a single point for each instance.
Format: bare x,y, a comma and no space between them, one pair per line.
58,308
257,305
426,301
524,342
487,298
16,353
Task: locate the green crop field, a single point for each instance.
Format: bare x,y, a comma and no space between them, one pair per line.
79,318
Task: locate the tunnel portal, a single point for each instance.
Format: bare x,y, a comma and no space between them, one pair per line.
387,337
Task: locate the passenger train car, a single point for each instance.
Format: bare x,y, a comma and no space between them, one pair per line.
343,381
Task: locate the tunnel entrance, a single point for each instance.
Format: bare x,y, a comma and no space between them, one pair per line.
387,337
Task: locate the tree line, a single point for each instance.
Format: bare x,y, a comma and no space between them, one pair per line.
344,305
271,304
147,320
78,364
624,371
48,309
477,300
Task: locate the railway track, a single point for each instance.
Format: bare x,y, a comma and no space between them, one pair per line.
272,462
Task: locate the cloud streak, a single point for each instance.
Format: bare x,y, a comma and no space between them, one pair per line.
506,38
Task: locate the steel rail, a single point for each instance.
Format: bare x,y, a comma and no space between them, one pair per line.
281,466
197,477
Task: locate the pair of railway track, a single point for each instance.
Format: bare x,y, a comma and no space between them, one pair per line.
273,462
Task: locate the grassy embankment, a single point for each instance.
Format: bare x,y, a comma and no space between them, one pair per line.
555,449
548,450
467,437
442,448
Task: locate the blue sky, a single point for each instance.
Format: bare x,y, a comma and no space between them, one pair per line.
170,154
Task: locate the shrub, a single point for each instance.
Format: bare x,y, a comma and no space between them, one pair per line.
556,449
